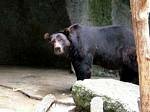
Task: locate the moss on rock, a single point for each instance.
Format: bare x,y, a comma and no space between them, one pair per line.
100,12
82,97
112,106
83,92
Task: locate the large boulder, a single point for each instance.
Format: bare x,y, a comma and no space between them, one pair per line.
117,96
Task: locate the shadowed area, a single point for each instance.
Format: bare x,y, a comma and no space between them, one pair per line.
22,27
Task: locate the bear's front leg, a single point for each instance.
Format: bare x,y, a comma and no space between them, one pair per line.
83,67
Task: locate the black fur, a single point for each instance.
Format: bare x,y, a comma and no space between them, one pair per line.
111,47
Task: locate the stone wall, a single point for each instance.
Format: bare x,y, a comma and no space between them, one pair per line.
121,14
89,12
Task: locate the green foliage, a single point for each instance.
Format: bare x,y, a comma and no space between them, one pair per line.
98,71
100,12
112,106
82,98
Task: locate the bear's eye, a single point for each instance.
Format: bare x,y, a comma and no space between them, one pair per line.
59,39
52,41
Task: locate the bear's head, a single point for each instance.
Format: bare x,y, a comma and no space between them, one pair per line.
61,41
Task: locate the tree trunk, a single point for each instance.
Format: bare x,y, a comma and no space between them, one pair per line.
140,9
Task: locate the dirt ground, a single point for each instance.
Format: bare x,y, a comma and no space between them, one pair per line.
36,82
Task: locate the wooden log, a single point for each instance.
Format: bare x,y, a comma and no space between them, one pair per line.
140,11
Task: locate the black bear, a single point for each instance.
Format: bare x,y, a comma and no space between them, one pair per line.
111,47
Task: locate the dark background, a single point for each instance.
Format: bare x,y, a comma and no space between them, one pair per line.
22,26
24,22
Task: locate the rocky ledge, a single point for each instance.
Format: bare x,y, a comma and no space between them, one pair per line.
111,95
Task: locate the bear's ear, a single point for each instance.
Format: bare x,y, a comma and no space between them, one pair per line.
66,32
73,27
46,36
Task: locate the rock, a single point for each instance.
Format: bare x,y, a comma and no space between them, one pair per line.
96,105
117,96
89,12
6,110
63,105
46,103
120,13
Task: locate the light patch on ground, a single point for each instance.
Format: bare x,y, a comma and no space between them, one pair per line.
35,82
